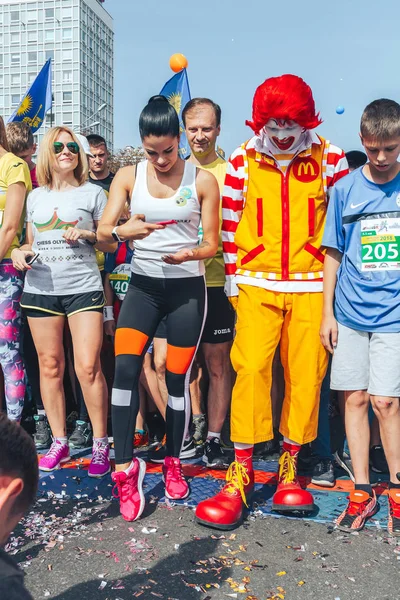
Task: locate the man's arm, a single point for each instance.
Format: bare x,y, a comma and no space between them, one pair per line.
232,207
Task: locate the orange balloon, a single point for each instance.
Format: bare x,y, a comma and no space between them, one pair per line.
177,62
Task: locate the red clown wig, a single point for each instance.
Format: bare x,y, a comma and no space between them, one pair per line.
285,98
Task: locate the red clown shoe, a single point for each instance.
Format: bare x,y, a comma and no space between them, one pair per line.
225,510
289,495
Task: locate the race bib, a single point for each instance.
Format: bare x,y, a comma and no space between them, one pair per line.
380,244
119,280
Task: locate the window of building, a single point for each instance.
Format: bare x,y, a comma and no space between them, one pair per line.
67,76
32,15
1,60
67,120
14,15
1,38
32,36
67,96
67,55
15,79
66,12
14,37
49,35
67,33
49,54
15,59
15,98
49,13
32,57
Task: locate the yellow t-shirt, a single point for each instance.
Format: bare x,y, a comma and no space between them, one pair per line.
215,268
13,170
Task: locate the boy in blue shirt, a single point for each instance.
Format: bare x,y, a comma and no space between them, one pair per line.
361,315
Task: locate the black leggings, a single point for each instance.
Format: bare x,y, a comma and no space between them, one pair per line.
183,303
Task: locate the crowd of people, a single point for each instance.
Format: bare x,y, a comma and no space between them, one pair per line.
249,303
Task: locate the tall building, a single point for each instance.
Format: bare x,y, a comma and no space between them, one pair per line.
78,36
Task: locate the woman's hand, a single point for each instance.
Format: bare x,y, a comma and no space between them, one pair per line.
73,234
109,328
329,333
19,259
178,258
137,228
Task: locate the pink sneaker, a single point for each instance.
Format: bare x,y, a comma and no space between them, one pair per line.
100,464
56,456
130,489
176,486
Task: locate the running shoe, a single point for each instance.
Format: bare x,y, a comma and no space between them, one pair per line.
42,435
199,429
377,460
141,438
159,453
394,512
361,507
129,489
55,457
176,486
82,435
100,463
343,460
324,473
214,456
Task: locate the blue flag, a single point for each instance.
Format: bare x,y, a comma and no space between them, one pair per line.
37,100
178,93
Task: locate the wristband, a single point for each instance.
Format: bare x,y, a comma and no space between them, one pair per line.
108,313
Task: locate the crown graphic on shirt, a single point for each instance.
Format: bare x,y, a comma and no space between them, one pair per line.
55,223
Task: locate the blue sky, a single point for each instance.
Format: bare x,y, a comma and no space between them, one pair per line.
348,51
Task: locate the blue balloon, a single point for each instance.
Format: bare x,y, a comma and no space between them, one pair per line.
340,110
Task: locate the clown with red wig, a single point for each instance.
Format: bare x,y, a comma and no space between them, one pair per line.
274,206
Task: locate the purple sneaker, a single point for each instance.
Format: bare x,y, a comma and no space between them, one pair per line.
100,464
56,456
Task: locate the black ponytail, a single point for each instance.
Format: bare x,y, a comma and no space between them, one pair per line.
158,118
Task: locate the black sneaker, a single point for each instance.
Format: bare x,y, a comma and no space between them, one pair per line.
377,460
213,455
42,436
343,460
324,473
158,454
82,436
199,429
306,459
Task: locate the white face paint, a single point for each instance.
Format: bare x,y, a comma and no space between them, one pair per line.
284,135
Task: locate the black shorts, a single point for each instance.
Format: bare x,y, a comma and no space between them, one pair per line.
39,305
220,321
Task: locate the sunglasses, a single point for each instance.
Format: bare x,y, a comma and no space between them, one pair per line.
72,147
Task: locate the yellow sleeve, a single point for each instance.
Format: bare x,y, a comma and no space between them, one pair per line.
17,171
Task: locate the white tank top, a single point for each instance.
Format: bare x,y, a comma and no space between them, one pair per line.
182,207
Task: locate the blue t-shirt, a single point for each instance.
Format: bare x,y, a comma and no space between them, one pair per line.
363,223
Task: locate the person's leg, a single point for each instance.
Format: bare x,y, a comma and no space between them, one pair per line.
160,359
199,418
323,471
150,382
304,361
87,336
218,363
258,330
185,320
47,334
10,334
138,320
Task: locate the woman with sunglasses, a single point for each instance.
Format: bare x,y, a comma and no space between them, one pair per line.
15,183
63,281
167,281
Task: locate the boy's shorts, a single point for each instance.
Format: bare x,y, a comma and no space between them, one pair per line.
366,361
